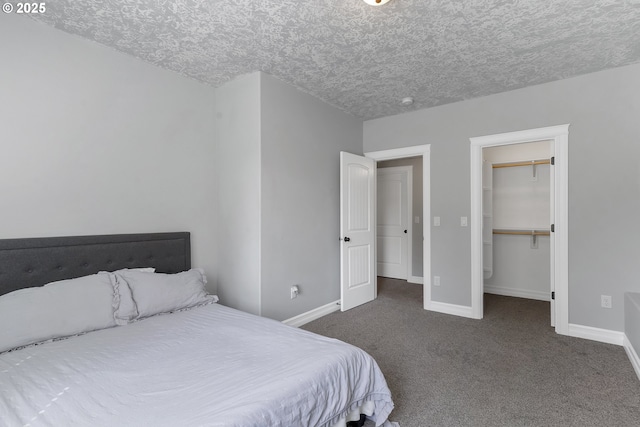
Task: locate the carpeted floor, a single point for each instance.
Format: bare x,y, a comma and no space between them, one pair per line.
509,369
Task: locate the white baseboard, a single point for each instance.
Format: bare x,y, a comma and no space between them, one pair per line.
633,356
596,334
520,293
443,307
416,279
312,315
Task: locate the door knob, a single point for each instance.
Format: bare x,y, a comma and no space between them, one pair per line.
346,239
405,231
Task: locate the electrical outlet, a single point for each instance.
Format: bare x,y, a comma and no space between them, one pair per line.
295,290
605,301
436,280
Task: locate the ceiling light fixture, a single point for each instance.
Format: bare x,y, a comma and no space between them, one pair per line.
376,2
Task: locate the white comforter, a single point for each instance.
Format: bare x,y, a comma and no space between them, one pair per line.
210,366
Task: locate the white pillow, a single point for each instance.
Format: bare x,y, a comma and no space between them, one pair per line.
126,309
58,309
156,293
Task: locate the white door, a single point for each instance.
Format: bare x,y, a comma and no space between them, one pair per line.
357,232
392,223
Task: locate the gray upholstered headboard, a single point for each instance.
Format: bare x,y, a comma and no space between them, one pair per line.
32,262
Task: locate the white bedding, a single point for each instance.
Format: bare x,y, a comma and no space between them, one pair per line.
209,366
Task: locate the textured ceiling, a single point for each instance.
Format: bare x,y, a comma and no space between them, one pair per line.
365,59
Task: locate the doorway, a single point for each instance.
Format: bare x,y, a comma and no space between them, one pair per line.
399,232
558,137
517,210
423,152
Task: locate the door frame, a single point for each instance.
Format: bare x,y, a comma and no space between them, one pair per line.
423,151
408,171
560,264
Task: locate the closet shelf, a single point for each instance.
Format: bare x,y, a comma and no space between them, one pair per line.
522,232
525,163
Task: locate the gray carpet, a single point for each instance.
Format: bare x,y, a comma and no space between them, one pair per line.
509,369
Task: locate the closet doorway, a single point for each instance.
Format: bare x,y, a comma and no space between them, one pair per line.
517,212
514,218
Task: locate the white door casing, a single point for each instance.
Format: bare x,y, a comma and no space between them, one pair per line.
357,230
393,222
424,151
552,236
559,135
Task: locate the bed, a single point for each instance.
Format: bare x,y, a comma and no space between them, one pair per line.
203,365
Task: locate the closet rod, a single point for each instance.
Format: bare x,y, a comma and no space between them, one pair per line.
523,232
525,163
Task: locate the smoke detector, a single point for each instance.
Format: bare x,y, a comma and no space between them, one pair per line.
376,2
407,101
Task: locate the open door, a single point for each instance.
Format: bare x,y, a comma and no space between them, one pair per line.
357,230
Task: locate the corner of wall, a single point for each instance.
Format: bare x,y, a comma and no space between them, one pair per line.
633,356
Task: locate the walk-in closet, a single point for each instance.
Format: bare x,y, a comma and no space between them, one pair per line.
517,185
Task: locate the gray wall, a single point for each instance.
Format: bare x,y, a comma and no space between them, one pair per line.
518,269
238,171
604,180
278,166
96,142
632,319
301,142
416,247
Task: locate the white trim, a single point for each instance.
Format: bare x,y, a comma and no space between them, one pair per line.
416,279
454,309
560,135
529,135
477,281
425,152
518,293
633,356
311,315
399,153
596,334
409,221
561,206
260,235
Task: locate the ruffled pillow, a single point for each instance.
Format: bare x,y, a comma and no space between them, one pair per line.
58,309
155,293
125,309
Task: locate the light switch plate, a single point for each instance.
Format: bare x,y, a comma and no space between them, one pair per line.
463,221
436,221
